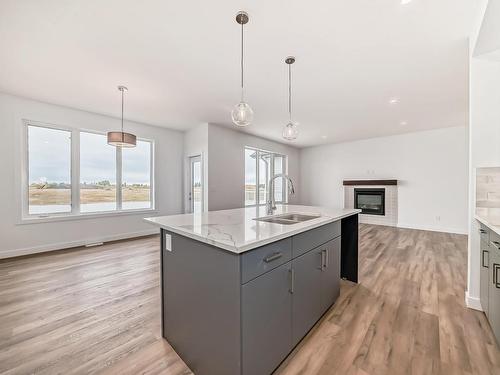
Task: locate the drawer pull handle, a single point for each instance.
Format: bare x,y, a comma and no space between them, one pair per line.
485,264
272,257
482,231
323,260
496,267
496,244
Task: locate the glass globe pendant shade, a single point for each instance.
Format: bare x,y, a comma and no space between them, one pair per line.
290,131
242,114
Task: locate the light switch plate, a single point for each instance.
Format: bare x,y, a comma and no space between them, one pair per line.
168,242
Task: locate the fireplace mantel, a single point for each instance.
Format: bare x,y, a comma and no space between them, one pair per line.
369,182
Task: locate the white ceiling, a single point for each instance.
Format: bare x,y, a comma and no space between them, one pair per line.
180,60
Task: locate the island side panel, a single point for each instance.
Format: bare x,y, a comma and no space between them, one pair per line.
349,248
201,310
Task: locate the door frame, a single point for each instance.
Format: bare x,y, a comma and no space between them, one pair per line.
189,171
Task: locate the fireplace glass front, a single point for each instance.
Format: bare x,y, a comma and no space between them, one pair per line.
370,201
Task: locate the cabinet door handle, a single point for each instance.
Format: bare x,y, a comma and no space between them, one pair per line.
292,280
272,257
496,267
323,260
485,264
327,258
482,231
495,244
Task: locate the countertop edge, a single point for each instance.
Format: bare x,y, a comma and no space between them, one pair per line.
484,221
243,249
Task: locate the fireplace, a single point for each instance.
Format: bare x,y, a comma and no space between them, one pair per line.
370,201
377,199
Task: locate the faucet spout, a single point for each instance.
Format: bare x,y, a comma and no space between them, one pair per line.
271,203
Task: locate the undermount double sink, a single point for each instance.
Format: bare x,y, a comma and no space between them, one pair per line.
288,219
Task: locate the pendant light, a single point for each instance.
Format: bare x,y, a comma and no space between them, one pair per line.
290,131
242,114
121,139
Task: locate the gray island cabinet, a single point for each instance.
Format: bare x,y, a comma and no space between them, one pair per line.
490,274
228,313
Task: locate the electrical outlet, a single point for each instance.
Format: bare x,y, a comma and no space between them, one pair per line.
168,242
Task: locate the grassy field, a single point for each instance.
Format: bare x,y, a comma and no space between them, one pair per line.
63,196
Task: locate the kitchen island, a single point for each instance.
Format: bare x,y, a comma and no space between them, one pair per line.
240,289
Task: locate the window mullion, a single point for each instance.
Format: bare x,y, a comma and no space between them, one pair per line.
152,190
257,178
271,171
25,169
119,171
284,168
75,172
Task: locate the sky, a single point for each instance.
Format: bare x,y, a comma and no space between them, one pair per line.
50,158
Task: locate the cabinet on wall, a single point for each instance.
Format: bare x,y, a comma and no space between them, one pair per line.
490,278
494,285
484,249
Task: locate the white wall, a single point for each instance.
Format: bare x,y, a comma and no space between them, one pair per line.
226,170
431,167
196,143
27,238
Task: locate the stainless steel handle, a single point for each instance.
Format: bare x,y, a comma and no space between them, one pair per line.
327,260
495,244
482,231
292,280
272,257
323,260
485,264
496,267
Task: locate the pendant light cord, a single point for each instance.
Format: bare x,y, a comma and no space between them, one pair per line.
242,61
122,110
290,91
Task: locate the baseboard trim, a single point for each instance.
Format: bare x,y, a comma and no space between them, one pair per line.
472,302
432,229
66,245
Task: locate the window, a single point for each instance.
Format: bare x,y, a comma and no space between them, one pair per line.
49,171
260,166
195,184
136,176
97,173
110,179
250,177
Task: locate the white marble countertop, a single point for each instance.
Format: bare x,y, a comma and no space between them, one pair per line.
237,231
489,217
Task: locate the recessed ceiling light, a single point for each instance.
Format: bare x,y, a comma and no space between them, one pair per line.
404,2
403,123
393,100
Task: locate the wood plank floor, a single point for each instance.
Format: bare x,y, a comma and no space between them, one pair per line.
96,311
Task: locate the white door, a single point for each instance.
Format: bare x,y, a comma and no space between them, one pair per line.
196,184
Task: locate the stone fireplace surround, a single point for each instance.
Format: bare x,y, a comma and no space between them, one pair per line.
391,200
